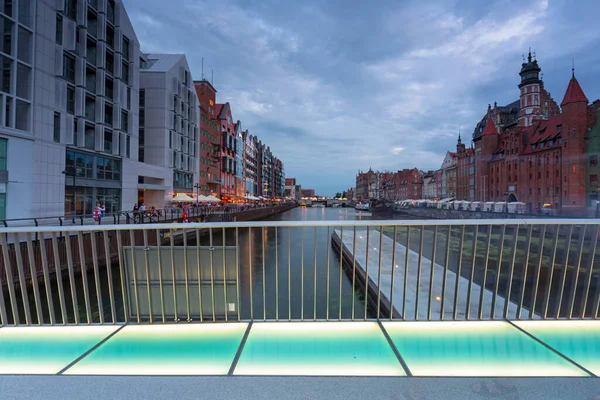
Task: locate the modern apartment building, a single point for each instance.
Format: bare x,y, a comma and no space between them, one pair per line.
265,180
169,129
209,173
240,184
250,164
69,101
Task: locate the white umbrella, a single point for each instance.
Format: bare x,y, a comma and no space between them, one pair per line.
212,199
202,198
183,197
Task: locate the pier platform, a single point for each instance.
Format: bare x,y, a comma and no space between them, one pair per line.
423,298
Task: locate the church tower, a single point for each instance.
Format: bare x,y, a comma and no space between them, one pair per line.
530,86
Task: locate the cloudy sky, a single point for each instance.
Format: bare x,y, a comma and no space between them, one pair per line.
337,86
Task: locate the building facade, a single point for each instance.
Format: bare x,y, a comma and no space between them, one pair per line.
83,125
227,127
169,130
308,193
465,172
251,164
278,178
209,157
542,161
238,166
449,175
592,155
290,188
429,186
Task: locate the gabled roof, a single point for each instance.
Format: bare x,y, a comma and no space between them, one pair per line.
163,62
490,128
574,93
218,109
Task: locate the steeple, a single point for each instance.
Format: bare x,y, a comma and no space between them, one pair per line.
574,92
459,141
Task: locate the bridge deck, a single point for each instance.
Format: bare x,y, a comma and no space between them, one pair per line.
424,349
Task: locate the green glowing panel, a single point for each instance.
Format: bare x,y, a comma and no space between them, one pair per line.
486,348
46,350
317,348
578,340
191,349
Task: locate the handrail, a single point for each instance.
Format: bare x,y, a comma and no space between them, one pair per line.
280,224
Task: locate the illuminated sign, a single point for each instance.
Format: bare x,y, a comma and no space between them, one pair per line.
211,102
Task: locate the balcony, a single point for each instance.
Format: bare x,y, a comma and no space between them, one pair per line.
485,298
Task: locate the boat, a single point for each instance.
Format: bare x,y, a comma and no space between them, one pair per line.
361,207
318,205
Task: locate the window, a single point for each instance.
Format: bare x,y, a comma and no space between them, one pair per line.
108,115
57,127
129,98
110,36
90,80
142,97
71,9
128,146
110,11
90,137
59,29
108,141
125,72
110,63
3,154
593,161
92,23
91,51
69,67
125,48
90,108
108,88
124,121
593,180
71,100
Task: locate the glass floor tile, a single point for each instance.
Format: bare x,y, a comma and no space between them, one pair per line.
578,340
195,349
318,349
474,348
46,350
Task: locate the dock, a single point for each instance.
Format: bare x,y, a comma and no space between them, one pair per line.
420,293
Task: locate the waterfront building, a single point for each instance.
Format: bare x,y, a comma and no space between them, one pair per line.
266,170
169,130
278,178
429,186
238,166
449,175
209,157
592,154
308,193
251,164
69,130
407,185
437,176
350,194
465,172
228,150
290,188
537,159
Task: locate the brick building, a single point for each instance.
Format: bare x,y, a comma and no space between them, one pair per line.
365,182
209,172
228,150
308,192
535,152
465,172
592,153
449,175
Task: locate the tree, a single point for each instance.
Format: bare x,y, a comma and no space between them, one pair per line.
338,195
344,195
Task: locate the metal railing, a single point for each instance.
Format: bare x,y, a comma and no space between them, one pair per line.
134,217
318,270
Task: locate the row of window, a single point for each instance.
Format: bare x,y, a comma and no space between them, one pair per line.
183,180
90,166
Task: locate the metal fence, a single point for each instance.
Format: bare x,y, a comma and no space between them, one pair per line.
318,270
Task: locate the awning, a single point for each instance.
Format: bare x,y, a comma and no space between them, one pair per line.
184,198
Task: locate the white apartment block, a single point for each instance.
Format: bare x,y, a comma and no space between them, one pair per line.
169,129
69,112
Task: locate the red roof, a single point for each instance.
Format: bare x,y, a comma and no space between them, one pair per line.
574,93
490,128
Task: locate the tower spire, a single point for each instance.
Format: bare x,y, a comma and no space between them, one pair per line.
529,57
573,70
